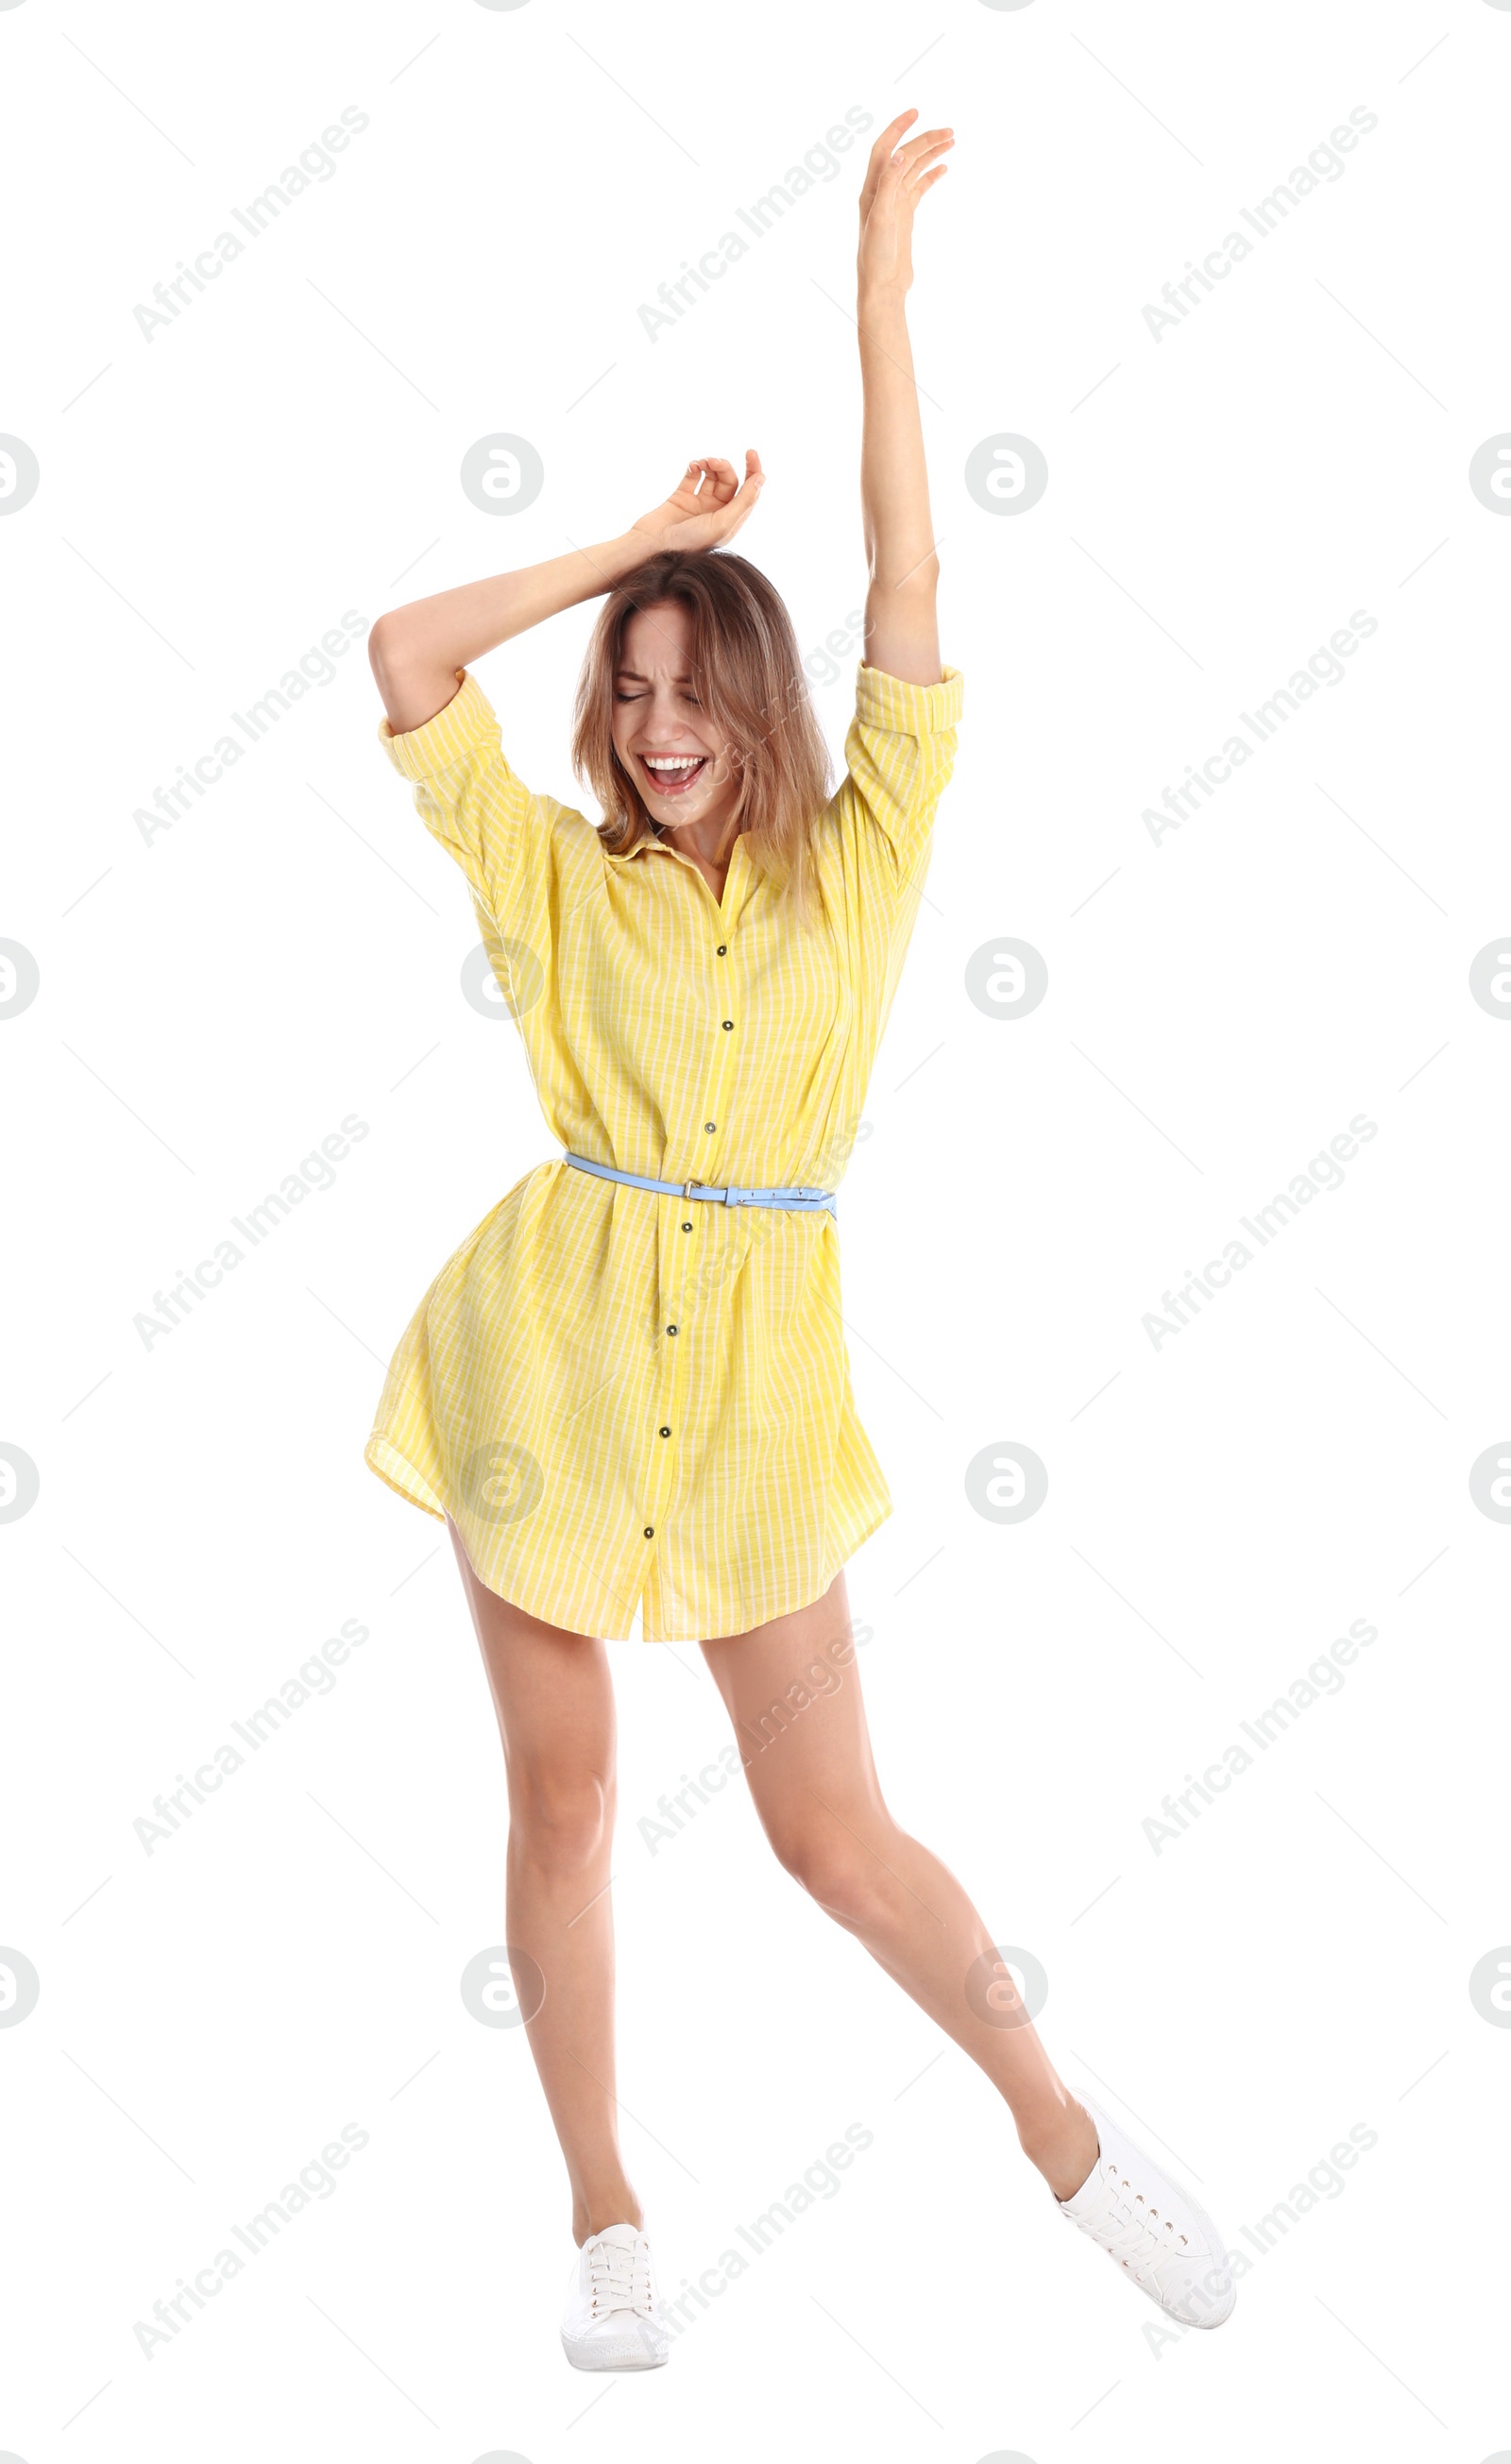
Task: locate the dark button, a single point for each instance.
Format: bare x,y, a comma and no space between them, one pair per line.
687,1227
727,1024
711,1125
650,1531
666,1433
721,950
671,1330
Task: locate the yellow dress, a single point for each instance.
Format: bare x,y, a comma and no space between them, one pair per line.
623,1398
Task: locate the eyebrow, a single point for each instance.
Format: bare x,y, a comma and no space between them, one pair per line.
633,676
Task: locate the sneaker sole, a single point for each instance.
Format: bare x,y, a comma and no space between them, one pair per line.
624,2353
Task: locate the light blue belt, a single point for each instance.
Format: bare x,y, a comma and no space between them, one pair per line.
797,1202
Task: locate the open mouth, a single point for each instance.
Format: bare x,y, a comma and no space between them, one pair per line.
672,774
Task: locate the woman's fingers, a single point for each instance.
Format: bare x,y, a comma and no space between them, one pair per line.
906,168
914,170
926,140
742,504
880,154
731,488
918,182
899,157
933,151
886,143
711,479
712,502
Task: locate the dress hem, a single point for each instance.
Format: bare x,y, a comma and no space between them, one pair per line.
416,1491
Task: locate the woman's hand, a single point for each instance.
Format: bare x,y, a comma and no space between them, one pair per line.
896,177
708,506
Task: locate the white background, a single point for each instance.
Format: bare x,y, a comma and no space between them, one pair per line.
213,1003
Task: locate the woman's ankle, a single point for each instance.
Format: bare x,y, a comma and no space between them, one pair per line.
595,2215
1063,2149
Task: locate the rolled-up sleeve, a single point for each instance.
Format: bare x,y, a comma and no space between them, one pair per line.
899,756
484,816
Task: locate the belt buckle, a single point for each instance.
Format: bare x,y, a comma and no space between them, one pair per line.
688,1186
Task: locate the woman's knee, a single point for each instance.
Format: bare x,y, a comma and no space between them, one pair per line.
840,1871
560,1820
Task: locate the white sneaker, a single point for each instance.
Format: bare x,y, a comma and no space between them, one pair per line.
613,2318
1153,2228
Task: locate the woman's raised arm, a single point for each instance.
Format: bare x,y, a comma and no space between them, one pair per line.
902,633
416,652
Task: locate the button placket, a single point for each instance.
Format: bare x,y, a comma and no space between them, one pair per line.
722,1064
673,1228
671,1342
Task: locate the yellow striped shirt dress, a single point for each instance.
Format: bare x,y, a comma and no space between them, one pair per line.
625,1399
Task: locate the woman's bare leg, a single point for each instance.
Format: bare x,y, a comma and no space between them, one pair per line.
814,1782
554,1702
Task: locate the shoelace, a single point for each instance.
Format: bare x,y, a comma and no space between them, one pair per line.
619,2278
1142,2235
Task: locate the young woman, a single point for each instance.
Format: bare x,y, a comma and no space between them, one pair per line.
629,1386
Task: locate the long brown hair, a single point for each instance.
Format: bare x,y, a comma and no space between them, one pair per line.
747,676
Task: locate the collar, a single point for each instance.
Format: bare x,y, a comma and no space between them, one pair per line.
642,845
623,855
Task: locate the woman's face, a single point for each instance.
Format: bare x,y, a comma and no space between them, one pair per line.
672,750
